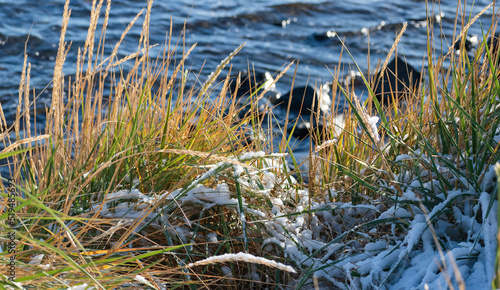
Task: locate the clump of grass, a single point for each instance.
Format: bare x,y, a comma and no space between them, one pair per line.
152,134
439,148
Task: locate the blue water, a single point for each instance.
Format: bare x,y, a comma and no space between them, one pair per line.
276,32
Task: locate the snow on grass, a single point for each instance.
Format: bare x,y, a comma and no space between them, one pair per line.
380,244
243,257
326,143
36,260
143,280
251,155
372,122
83,286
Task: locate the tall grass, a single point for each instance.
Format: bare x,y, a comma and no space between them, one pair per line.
142,183
151,133
441,140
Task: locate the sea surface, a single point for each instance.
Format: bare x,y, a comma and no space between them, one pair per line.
276,32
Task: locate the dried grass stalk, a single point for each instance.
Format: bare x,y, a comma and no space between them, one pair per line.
242,257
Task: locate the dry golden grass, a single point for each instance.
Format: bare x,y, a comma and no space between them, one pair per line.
153,129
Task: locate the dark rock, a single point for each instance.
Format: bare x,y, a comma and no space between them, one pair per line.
302,99
247,137
248,83
246,86
469,44
354,78
494,46
301,105
323,128
408,79
303,129
260,109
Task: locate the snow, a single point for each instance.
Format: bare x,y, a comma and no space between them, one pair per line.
243,257
238,170
252,155
403,157
396,251
326,144
141,279
372,122
87,174
36,260
212,237
227,271
83,286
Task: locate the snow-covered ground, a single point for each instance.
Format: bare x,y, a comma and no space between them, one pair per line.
415,243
